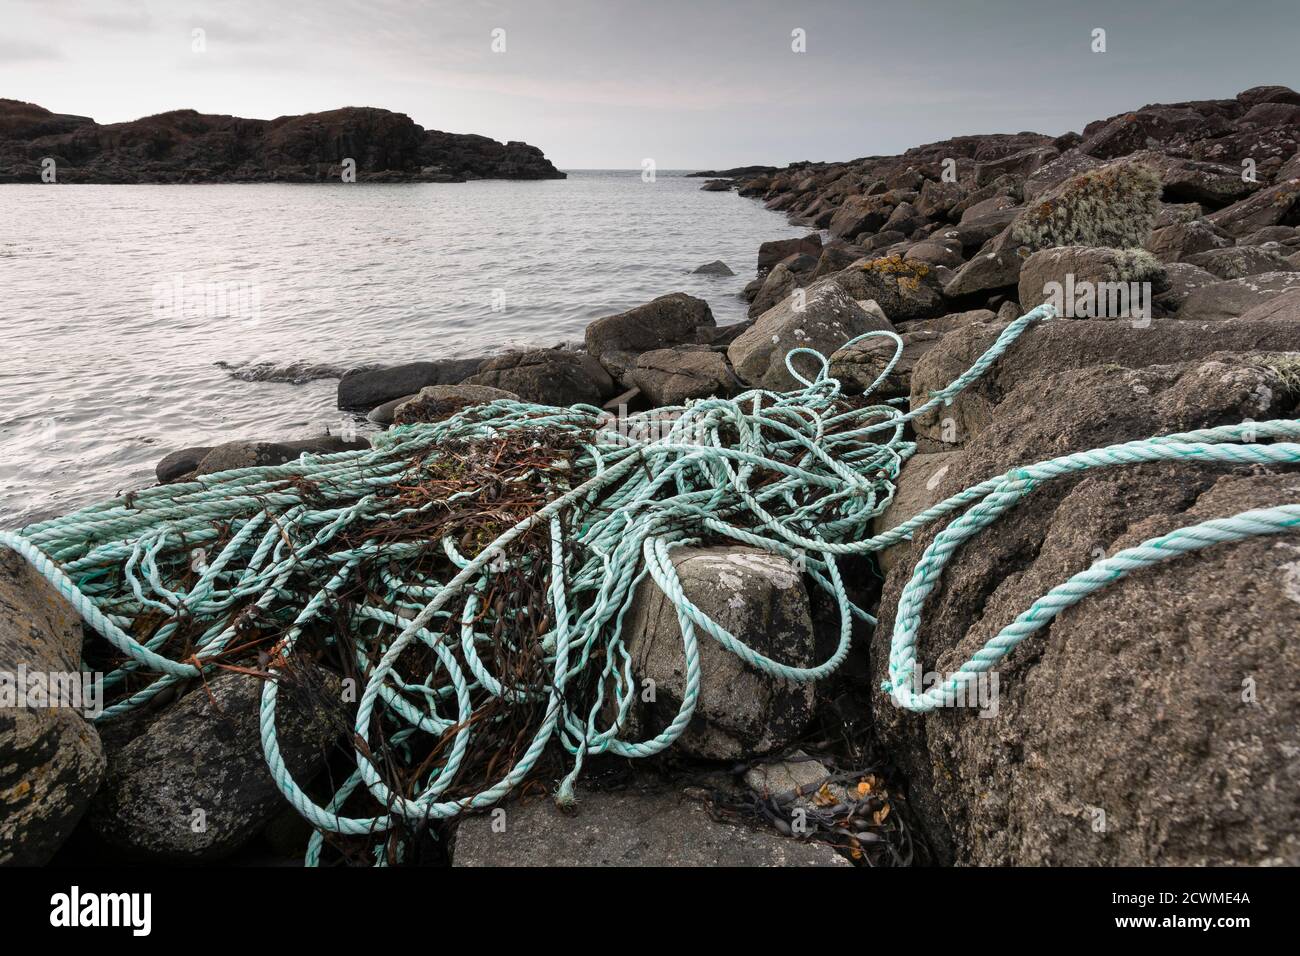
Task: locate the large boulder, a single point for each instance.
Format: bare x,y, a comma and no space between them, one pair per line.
195,787
859,214
995,266
51,759
742,712
673,319
905,289
774,250
1113,205
544,376
777,284
825,319
1060,345
915,489
234,455
658,827
365,388
1156,722
1092,282
675,376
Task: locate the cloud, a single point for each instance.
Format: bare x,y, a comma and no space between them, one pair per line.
14,50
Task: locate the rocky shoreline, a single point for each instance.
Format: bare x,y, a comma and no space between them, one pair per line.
1155,723
184,146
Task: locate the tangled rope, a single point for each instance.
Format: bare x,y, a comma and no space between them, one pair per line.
475,573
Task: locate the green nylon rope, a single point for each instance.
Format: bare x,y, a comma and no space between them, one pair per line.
800,474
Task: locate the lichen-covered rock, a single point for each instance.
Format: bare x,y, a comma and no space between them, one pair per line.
1157,721
1113,205
673,319
904,289
436,402
195,785
742,711
825,319
1092,282
657,827
51,760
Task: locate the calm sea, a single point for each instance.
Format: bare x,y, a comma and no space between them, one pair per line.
128,311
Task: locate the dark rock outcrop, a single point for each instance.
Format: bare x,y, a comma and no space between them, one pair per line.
185,146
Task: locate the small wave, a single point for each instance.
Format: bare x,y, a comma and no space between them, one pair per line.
294,373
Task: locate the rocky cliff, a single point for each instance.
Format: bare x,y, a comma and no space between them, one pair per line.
188,147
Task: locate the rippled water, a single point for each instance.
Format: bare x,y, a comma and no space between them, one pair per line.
104,368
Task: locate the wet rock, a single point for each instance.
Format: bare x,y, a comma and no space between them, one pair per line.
195,786
1127,732
661,828
234,455
829,317
180,463
544,376
51,760
674,319
742,712
674,376
1234,297
1238,261
437,402
370,387
1099,280
383,414
715,268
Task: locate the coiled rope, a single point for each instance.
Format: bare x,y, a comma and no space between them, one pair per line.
800,474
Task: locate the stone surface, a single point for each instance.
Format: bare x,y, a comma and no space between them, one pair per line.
1130,703
253,454
1239,261
367,388
742,712
1234,297
436,402
206,756
829,318
904,289
674,319
715,268
642,828
1091,282
1175,242
51,760
1278,205
858,366
774,250
1060,345
916,488
674,376
544,376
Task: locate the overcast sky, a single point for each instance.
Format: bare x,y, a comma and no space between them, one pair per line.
689,83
